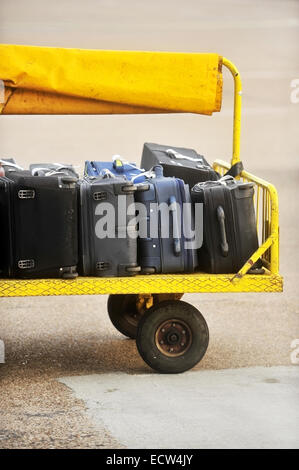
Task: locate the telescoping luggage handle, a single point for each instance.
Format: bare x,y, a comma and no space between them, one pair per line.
221,221
175,226
157,171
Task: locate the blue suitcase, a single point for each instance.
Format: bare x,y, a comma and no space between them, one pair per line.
163,244
117,167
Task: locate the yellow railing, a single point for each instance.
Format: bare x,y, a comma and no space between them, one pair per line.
237,108
266,208
266,200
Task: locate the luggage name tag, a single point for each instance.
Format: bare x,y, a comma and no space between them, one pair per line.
118,165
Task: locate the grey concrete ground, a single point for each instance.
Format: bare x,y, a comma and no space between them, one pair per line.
50,338
233,408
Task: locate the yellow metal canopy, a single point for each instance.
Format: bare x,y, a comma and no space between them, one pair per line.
46,80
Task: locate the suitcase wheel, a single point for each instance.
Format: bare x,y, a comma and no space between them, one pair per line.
69,273
130,189
148,270
133,269
142,187
172,336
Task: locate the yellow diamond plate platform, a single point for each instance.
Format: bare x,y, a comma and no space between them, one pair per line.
142,284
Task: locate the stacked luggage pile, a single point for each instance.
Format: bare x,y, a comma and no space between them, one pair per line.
54,224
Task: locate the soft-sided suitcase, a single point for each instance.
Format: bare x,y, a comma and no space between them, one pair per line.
52,169
165,242
108,240
39,226
230,234
118,167
179,162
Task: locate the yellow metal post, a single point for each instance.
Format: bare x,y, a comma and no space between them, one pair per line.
237,109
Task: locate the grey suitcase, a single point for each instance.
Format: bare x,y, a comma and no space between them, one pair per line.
107,249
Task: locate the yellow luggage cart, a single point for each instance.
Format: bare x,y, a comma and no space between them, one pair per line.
172,336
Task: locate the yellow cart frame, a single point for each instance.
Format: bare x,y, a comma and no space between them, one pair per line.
266,204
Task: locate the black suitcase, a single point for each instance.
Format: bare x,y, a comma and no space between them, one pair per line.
230,234
39,226
174,252
107,251
179,162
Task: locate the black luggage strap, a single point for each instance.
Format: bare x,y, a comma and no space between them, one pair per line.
235,170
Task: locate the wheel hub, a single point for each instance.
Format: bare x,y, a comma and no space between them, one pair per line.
173,337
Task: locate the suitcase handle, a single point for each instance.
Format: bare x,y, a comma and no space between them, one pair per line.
178,156
221,220
67,182
176,241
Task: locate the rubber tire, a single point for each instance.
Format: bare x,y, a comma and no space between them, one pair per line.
168,310
118,306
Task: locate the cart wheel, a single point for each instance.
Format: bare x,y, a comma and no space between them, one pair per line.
172,336
123,313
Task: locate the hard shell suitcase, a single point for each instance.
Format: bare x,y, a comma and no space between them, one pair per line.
118,167
108,239
39,226
52,169
179,162
230,234
174,252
